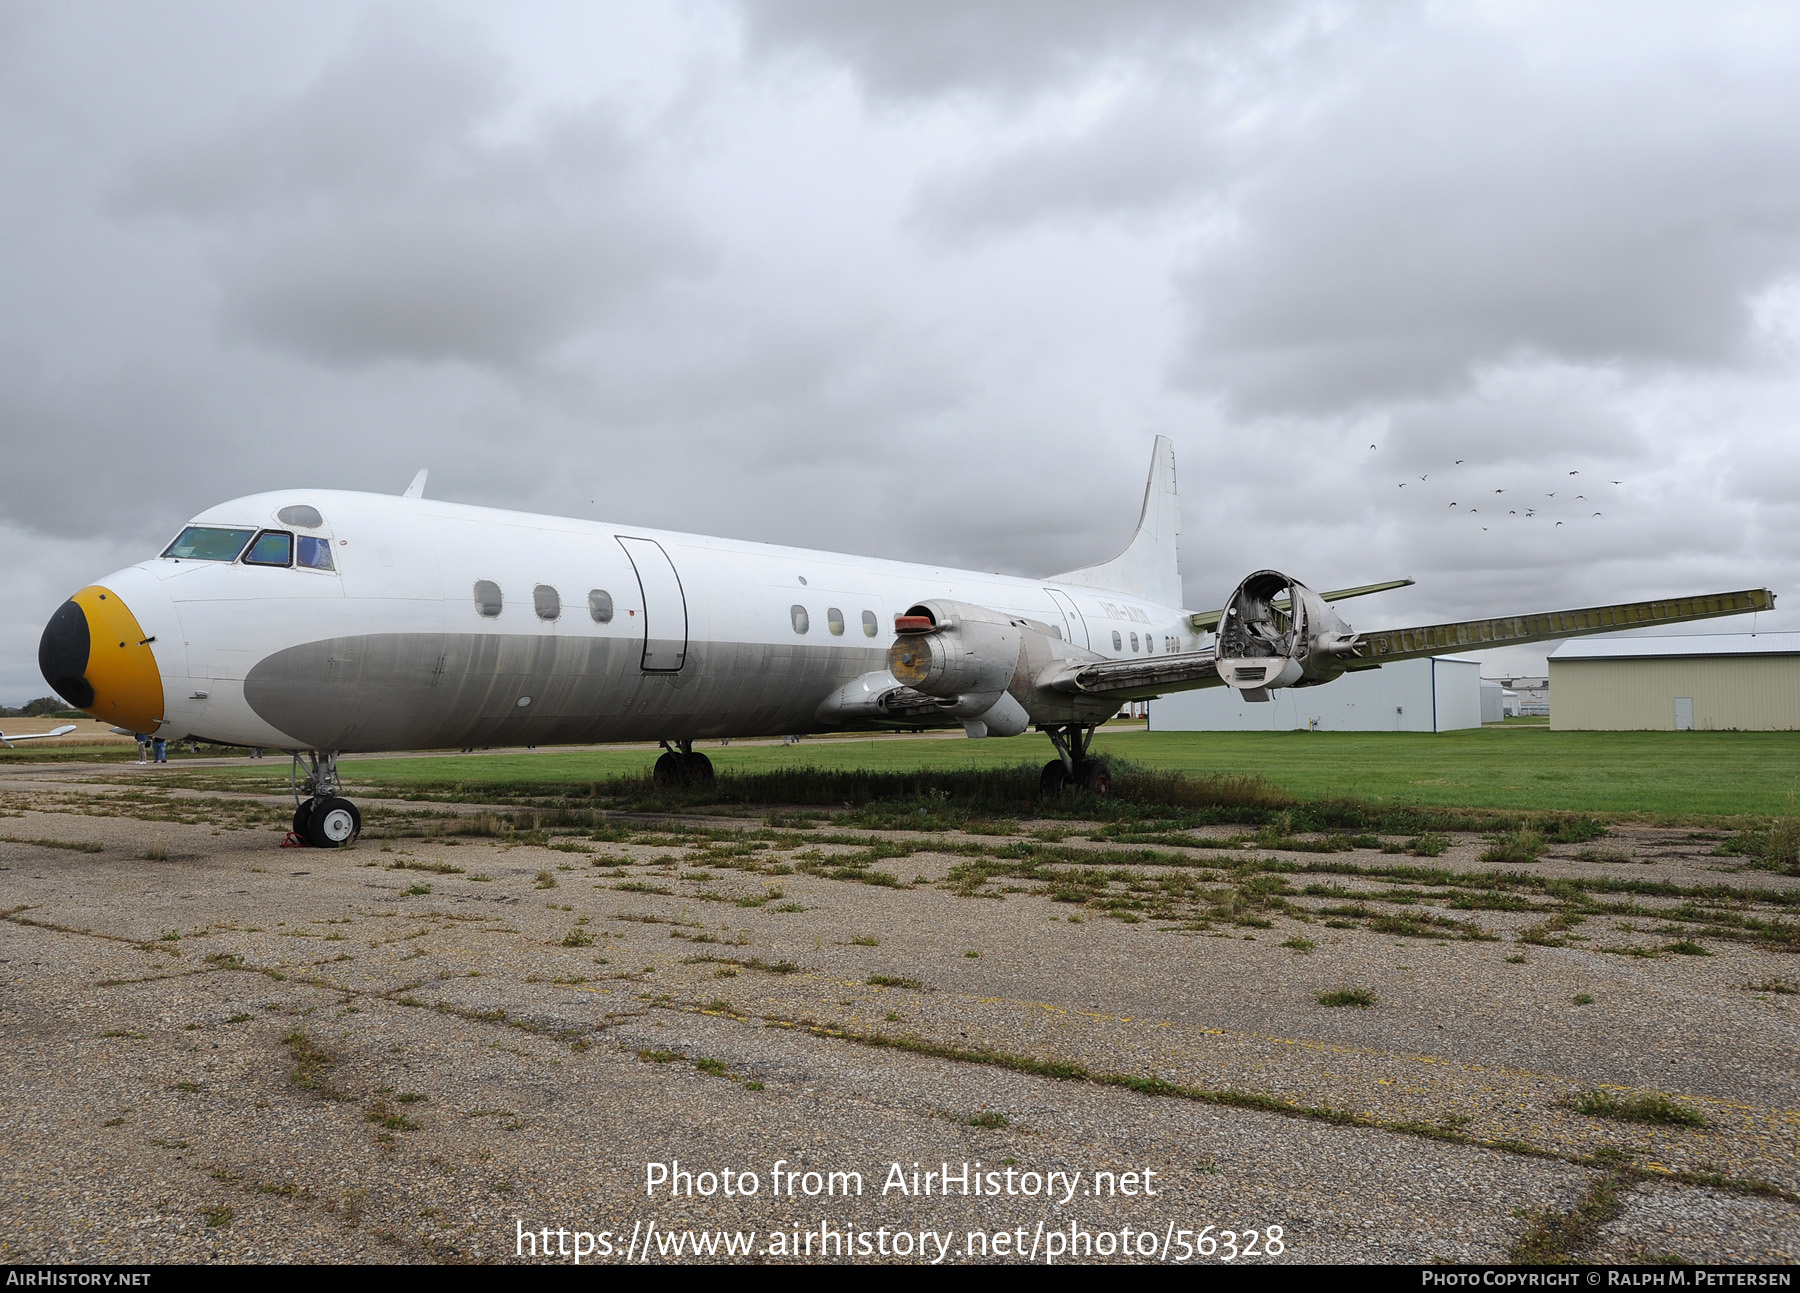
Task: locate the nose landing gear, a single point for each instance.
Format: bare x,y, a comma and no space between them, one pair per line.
324,819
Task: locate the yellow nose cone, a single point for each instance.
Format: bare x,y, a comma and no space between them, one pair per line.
120,668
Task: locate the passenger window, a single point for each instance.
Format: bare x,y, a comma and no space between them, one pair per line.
314,554
307,518
546,602
801,621
487,598
870,624
834,620
600,606
1118,642
208,543
1134,642
272,548
1149,643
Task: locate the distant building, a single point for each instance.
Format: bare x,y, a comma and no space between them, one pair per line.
1434,695
1530,696
1493,701
1707,682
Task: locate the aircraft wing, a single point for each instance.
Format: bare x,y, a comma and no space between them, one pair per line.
1142,679
1384,646
7,738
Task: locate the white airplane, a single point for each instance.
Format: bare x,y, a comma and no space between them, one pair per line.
320,622
7,738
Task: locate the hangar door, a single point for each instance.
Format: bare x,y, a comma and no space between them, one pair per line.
665,605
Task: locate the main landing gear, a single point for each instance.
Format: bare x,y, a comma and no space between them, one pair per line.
679,767
324,819
1074,770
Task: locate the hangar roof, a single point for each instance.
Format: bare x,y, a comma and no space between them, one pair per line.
1692,644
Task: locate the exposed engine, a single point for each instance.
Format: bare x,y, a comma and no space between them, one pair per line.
1277,632
982,666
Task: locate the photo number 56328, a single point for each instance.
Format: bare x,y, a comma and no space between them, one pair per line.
1226,1245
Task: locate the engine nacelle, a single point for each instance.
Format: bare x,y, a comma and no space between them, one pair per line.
980,664
1277,632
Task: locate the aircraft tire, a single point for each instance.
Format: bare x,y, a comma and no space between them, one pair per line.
699,769
668,772
302,815
334,823
1054,779
1093,776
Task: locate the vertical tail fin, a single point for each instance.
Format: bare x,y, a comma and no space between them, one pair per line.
1148,567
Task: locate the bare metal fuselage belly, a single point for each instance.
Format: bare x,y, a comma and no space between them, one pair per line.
397,691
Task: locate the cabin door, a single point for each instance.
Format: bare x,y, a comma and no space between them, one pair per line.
665,605
1077,627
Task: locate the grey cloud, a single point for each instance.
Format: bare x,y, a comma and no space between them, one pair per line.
1382,208
1466,205
369,218
1139,158
707,293
1006,47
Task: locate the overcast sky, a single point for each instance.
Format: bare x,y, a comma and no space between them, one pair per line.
921,281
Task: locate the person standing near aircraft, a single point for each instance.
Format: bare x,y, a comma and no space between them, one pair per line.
159,750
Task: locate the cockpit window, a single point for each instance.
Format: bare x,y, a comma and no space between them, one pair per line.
272,548
208,543
314,554
302,515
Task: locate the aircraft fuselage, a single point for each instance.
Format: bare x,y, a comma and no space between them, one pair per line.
435,624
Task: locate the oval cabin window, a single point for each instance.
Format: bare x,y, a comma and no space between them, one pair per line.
834,620
546,602
870,624
802,621
1134,642
487,598
1118,642
600,606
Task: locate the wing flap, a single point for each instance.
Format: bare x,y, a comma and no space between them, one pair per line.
1141,679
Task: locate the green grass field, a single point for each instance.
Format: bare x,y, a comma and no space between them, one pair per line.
1656,775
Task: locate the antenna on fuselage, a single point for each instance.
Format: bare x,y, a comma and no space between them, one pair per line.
417,488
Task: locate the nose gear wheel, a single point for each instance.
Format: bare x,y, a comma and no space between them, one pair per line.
333,823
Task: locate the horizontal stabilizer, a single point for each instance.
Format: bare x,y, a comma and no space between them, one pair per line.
7,738
1207,621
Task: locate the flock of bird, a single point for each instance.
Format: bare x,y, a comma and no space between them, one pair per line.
1538,511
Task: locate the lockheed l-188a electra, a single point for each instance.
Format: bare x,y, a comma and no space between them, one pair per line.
321,622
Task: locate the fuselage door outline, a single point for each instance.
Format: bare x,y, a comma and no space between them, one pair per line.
1078,630
665,605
